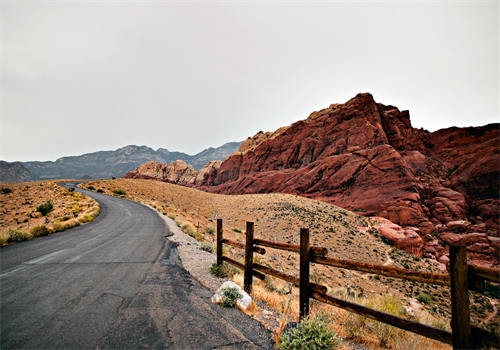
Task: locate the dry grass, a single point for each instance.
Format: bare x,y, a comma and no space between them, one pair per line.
279,217
18,210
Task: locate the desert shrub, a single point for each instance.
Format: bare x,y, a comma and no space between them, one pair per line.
71,189
16,235
236,230
354,324
269,284
45,208
86,218
384,332
91,188
171,216
311,333
209,230
198,236
187,229
96,212
64,218
231,294
424,298
218,270
206,247
6,190
100,190
57,227
38,231
119,192
385,240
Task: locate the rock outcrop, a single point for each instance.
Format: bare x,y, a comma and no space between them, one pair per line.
104,164
366,157
178,172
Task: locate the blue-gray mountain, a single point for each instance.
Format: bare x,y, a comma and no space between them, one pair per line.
107,163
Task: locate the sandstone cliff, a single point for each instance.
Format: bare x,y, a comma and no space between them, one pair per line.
366,157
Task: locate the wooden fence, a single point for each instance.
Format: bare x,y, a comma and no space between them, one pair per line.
461,278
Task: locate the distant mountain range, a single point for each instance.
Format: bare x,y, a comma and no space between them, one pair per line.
107,163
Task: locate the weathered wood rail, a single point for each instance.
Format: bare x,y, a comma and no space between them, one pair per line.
463,334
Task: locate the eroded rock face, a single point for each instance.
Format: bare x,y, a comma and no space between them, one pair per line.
175,172
366,156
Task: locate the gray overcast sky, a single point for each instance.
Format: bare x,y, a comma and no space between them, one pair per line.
79,77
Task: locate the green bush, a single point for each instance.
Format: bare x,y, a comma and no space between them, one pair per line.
91,188
100,190
119,192
6,190
312,333
45,208
230,296
209,230
218,271
37,231
206,247
71,189
424,298
236,230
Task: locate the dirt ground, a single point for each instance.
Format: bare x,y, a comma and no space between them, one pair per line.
18,203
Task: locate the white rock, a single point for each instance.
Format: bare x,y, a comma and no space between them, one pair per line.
243,304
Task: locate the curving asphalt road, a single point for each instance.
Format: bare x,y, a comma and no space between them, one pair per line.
114,283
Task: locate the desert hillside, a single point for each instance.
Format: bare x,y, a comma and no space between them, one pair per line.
279,217
366,157
22,216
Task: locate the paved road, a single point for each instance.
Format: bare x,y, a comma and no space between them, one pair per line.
114,283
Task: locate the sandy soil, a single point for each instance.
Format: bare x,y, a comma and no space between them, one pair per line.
18,208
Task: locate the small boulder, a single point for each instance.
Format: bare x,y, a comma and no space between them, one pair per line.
244,303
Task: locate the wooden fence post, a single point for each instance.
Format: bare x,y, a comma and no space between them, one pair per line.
247,280
304,273
460,314
219,242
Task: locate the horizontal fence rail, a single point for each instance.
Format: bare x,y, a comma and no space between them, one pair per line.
462,278
290,247
389,271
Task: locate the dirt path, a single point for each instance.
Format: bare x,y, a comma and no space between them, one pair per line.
388,261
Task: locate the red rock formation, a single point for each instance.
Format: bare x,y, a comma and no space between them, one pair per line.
366,156
175,172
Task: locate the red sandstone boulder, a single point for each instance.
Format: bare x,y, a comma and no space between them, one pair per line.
403,238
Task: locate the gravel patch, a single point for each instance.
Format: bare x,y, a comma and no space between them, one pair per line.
196,261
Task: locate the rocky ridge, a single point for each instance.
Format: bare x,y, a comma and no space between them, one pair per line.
366,157
15,172
108,163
